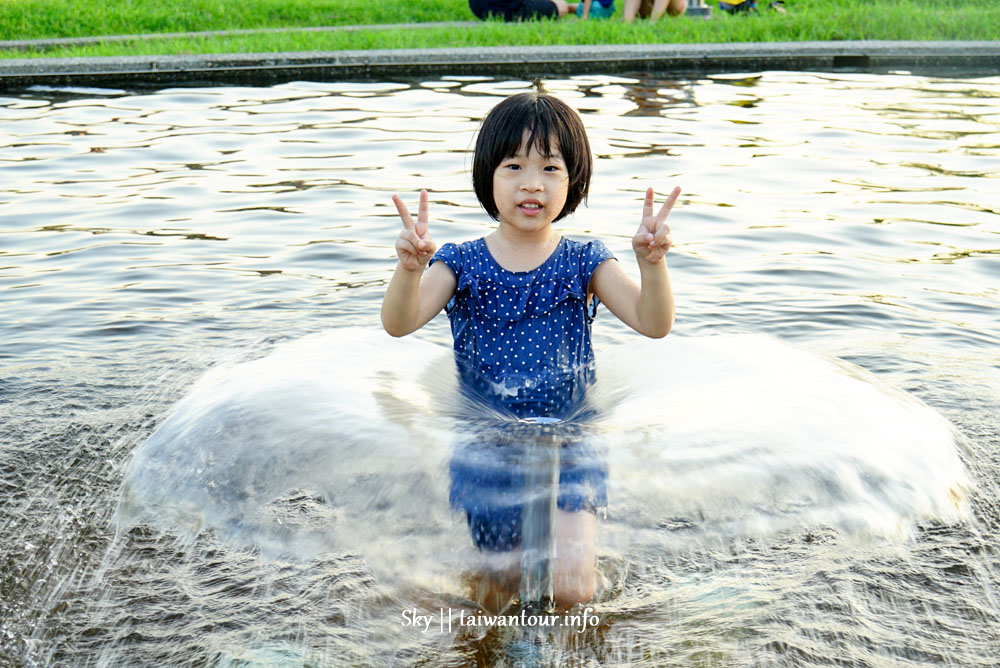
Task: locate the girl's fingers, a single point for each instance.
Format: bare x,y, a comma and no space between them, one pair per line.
642,239
405,245
404,213
408,242
668,205
419,245
662,232
647,205
410,259
422,214
419,228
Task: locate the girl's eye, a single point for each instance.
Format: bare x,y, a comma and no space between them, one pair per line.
513,166
551,168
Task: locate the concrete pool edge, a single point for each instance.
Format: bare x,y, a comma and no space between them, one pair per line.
667,59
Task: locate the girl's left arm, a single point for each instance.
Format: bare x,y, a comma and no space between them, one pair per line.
647,308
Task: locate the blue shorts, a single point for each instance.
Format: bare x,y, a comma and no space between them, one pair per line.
488,479
599,9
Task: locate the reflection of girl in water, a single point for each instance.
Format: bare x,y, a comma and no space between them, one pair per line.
521,301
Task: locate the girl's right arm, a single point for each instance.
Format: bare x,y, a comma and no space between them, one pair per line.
414,295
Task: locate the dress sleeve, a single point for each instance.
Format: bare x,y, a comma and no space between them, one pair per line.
451,256
594,254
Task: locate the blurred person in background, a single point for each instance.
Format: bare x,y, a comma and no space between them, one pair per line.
521,10
738,6
653,9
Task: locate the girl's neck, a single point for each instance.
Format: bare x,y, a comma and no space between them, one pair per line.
515,250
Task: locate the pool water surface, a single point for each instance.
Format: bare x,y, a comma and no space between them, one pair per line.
209,263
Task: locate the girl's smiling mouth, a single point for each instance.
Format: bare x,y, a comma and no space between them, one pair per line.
530,207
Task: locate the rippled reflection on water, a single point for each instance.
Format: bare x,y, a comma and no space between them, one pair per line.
145,238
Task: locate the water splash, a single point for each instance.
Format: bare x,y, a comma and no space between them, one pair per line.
303,451
340,442
746,435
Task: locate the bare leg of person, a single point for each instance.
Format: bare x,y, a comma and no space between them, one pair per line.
629,10
576,563
496,584
562,7
641,7
574,573
673,7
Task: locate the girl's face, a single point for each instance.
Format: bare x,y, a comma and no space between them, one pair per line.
530,189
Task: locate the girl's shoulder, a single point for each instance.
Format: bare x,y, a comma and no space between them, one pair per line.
588,247
462,254
586,255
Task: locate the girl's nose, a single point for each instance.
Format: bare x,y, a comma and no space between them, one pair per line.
531,181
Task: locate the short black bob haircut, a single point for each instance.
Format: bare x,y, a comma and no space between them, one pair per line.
551,124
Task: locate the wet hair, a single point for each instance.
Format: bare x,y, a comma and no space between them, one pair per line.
551,124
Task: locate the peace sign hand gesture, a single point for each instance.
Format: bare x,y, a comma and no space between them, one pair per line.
652,241
414,245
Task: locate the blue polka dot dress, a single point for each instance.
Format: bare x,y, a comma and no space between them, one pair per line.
522,344
522,338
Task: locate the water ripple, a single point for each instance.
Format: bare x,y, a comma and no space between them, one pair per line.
147,236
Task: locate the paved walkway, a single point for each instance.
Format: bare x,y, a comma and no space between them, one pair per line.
524,62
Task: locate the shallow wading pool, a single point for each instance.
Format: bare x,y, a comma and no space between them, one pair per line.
207,264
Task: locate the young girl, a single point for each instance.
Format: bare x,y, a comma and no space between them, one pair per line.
521,301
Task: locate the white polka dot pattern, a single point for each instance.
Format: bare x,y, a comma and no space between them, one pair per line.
522,339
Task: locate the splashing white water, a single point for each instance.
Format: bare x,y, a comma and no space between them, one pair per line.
747,435
340,442
297,452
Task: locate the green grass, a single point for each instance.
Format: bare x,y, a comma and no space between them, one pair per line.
35,19
804,20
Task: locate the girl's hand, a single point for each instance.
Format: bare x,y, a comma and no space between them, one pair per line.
652,241
414,245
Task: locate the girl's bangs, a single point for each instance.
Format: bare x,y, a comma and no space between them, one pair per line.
540,131
542,123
